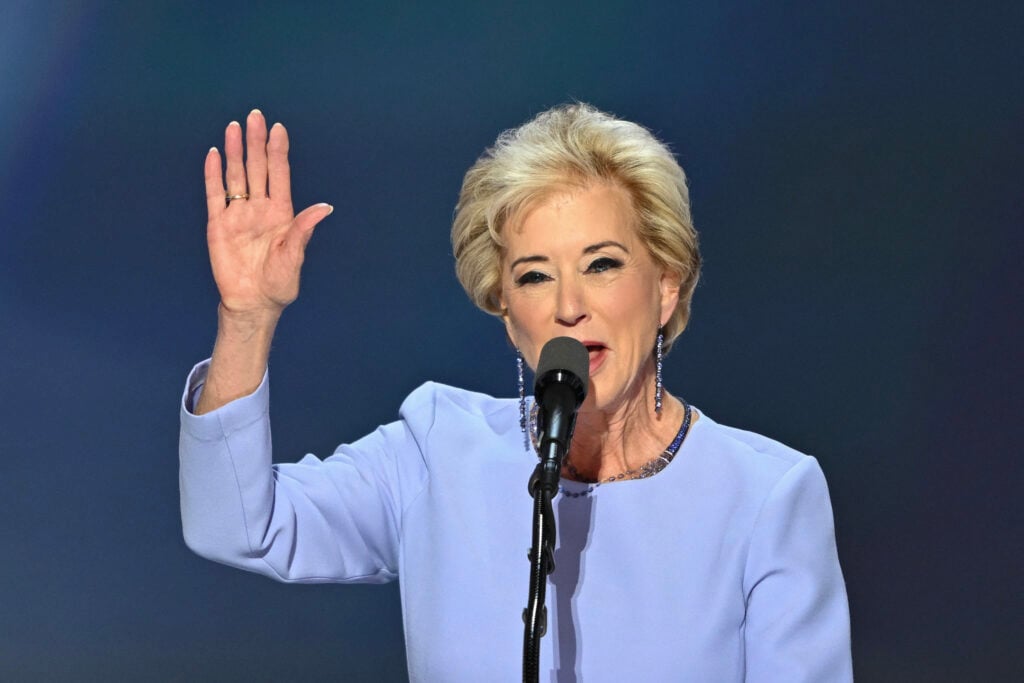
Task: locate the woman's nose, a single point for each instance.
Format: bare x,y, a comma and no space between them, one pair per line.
571,307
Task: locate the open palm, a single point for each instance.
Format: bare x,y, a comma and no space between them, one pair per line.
257,244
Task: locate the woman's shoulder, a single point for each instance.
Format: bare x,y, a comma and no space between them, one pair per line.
434,402
438,394
741,452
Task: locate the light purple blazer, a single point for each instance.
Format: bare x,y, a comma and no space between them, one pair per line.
723,567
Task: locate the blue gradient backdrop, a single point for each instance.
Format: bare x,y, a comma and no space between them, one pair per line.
855,172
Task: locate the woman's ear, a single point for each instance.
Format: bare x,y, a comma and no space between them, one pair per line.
669,290
503,312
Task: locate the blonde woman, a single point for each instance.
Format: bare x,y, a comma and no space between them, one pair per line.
688,550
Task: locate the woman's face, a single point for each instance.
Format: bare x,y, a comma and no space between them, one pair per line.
574,266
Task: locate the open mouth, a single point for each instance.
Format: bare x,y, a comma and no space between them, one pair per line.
597,353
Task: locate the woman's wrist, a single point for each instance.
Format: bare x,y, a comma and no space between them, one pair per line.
240,356
247,324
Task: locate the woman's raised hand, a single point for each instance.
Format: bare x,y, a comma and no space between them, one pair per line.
257,244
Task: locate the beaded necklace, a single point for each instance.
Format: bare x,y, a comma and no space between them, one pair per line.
648,469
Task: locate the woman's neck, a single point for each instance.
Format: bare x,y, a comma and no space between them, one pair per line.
609,442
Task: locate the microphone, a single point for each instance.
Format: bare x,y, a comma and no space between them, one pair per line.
563,375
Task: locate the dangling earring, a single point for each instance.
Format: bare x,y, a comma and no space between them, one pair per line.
658,355
522,390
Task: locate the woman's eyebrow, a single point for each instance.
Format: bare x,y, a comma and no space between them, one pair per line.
601,245
586,250
527,259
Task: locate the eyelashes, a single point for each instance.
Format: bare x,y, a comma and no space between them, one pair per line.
596,267
532,277
605,263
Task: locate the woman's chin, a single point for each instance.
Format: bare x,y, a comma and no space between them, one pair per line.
599,399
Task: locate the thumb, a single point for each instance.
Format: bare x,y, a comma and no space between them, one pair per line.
304,223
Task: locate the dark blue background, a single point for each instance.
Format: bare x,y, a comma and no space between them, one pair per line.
855,172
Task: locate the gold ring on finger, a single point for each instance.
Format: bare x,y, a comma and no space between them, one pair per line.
229,197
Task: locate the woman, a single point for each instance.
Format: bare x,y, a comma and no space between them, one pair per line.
687,550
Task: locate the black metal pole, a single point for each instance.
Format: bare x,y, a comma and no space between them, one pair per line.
542,563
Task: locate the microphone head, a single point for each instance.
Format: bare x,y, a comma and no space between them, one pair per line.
563,356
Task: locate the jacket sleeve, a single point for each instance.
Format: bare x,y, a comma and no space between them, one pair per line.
797,623
335,520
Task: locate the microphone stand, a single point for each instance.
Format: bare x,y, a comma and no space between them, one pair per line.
561,398
542,563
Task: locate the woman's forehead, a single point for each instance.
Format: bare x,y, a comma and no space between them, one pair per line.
574,218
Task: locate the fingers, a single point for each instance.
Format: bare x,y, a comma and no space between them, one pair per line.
256,154
214,184
233,152
280,185
262,172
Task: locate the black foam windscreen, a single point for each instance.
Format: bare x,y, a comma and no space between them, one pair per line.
568,355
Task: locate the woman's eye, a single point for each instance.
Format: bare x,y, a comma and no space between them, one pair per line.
603,264
531,278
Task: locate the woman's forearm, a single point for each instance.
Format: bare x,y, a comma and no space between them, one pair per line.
239,359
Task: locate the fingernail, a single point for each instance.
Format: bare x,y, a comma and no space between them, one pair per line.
257,112
213,150
331,209
235,123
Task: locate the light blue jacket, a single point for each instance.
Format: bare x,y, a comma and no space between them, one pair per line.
723,567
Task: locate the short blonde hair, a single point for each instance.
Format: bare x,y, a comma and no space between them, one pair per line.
573,146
